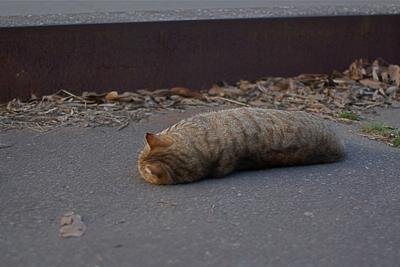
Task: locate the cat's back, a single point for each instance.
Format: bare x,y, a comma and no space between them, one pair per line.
250,132
255,119
251,122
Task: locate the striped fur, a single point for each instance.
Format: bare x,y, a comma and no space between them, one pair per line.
217,143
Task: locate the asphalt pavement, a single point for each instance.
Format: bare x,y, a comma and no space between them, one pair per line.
340,214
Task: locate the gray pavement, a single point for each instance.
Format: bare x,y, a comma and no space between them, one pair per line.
37,13
341,214
389,116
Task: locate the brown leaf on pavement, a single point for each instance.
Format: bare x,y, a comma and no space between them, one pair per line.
71,225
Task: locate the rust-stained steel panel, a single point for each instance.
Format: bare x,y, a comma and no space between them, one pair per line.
131,56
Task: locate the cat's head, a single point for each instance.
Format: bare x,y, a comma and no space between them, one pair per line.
157,161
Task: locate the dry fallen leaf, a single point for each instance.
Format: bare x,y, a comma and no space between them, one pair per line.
356,70
375,70
283,84
130,97
67,218
92,96
112,96
232,91
385,76
215,90
394,73
71,225
186,92
371,83
53,98
161,92
33,97
245,85
392,90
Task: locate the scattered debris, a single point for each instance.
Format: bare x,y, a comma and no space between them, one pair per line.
381,132
338,96
71,225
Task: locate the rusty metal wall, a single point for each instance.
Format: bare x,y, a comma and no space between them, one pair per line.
195,54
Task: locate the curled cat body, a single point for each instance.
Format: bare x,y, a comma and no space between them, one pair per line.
217,143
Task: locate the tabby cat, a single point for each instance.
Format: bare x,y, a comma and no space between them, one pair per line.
217,143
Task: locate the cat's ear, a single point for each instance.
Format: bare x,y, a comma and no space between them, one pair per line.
154,140
155,170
